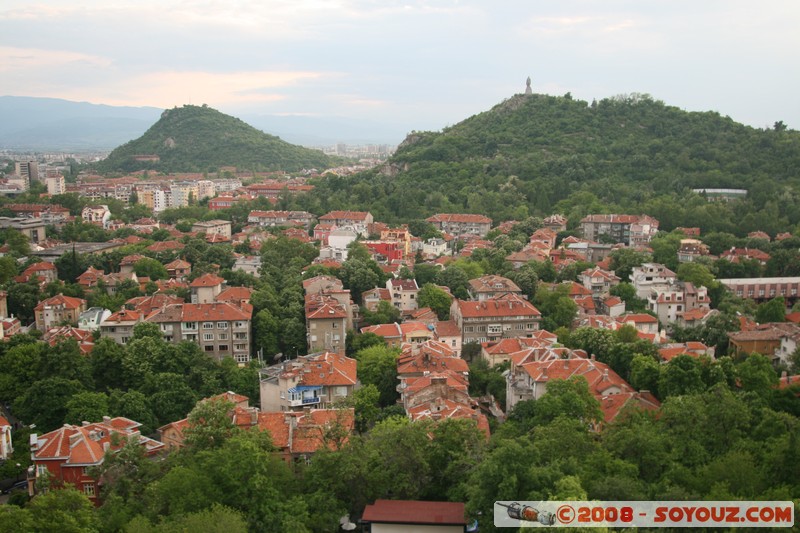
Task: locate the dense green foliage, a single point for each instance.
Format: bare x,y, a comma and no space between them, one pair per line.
198,139
534,155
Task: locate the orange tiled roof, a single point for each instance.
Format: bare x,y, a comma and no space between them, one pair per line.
68,302
207,280
507,306
463,218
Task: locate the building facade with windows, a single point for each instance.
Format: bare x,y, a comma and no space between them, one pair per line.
317,380
491,320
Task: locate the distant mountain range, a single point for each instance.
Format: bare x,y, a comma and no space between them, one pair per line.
199,139
51,124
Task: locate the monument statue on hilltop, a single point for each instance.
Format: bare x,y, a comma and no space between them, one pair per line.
528,86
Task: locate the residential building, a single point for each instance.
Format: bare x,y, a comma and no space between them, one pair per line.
326,323
358,221
598,281
447,332
670,304
371,298
322,284
147,304
206,288
220,329
43,271
461,224
6,446
55,185
500,351
396,334
83,337
492,286
556,223
393,516
631,230
28,170
404,293
92,318
178,269
318,380
690,250
66,455
90,278
57,311
280,218
99,215
529,379
667,352
650,277
776,340
249,264
213,227
763,289
32,228
489,320
435,247
736,255
338,241
119,326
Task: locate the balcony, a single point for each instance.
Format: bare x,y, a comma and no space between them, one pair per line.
305,401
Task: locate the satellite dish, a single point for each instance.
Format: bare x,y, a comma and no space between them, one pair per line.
346,524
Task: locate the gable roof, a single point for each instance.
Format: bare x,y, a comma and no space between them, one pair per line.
207,280
415,512
509,305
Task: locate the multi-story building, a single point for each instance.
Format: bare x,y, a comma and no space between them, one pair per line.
598,281
213,227
58,310
119,326
28,170
33,228
652,277
66,455
206,189
690,250
763,289
631,230
404,293
326,323
491,320
557,223
461,224
358,221
99,215
206,288
56,185
318,380
221,329
280,218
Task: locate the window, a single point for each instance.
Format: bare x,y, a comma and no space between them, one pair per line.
313,338
530,325
241,324
240,347
88,489
335,325
125,340
240,336
223,348
209,347
190,325
761,293
495,329
283,395
242,358
208,325
222,325
208,336
468,329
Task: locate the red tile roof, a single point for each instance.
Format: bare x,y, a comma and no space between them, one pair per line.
207,280
415,512
68,302
345,215
506,306
165,246
328,369
462,218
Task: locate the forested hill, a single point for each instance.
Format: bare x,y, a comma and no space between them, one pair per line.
196,139
531,152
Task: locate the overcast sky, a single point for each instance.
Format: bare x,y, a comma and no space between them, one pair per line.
417,64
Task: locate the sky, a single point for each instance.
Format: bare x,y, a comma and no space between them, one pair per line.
413,65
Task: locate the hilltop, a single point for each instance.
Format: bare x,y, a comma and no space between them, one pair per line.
199,138
531,152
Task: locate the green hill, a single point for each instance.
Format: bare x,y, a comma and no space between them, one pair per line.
195,139
535,154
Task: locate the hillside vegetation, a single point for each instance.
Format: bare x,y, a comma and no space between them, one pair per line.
531,155
196,139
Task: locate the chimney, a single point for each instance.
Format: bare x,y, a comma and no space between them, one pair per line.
106,419
106,446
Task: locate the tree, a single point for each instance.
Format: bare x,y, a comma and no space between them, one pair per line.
680,376
365,403
772,311
627,293
386,313
456,279
645,373
150,268
757,374
210,425
71,265
266,332
66,510
358,276
377,365
106,362
45,402
697,274
86,406
439,301
134,405
8,269
624,259
358,342
22,299
570,398
425,273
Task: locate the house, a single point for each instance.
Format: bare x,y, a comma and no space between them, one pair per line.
145,305
667,352
434,247
326,323
6,446
178,269
166,246
221,329
690,250
249,264
491,286
66,454
238,296
419,359
404,293
58,310
776,340
99,215
390,516
92,318
670,304
322,284
612,306
318,380
556,223
371,298
338,242
506,316
598,281
206,288
529,380
89,279
447,332
499,351
119,326
646,325
43,272
651,277
461,224
358,221
214,227
396,334
83,337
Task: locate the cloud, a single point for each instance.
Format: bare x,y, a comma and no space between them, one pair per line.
25,59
